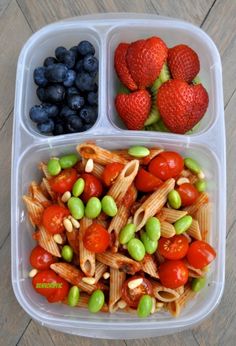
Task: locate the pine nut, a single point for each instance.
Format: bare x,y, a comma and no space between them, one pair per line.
159,306
89,281
201,175
66,196
68,225
74,222
125,247
33,272
89,166
153,305
182,180
106,275
121,304
135,283
58,238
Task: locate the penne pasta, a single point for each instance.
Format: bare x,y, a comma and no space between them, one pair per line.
73,240
143,161
201,200
176,306
119,261
164,294
117,279
35,210
38,195
170,215
99,271
87,258
194,230
43,167
149,266
47,242
193,272
167,229
97,168
203,216
48,188
159,257
153,203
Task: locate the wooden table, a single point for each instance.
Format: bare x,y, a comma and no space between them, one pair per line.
18,20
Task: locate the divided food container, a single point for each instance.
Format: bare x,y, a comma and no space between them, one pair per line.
207,146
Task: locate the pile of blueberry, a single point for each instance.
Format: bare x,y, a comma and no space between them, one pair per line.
68,91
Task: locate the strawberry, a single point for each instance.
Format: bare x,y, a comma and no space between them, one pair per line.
145,59
181,105
134,108
121,66
183,63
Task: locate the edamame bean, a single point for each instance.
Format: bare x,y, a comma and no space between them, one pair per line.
109,206
136,249
198,284
144,306
201,185
183,224
73,296
96,301
53,166
150,245
174,199
127,233
78,187
68,161
67,253
153,228
93,208
192,165
76,207
138,151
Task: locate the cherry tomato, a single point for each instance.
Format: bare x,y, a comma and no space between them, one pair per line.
53,218
64,181
200,254
111,172
42,279
173,248
40,258
188,194
132,296
93,187
146,182
61,291
173,274
166,165
96,238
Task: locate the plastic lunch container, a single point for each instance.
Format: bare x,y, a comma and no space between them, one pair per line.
207,145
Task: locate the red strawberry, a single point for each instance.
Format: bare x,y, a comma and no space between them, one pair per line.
145,59
121,66
181,105
183,63
134,108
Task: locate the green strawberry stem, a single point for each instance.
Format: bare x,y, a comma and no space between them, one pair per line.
123,90
196,80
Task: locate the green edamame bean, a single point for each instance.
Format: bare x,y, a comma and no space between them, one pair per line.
150,245
183,224
53,166
68,161
174,199
93,208
136,249
153,228
198,284
67,253
76,207
201,185
96,301
192,165
144,306
73,296
127,233
138,151
109,206
78,187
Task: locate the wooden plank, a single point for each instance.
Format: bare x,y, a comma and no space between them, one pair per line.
3,5
35,335
14,31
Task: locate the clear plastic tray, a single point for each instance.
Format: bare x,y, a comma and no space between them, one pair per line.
29,147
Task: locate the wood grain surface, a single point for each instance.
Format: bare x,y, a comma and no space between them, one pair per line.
18,19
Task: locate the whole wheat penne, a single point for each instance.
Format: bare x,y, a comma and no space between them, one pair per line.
49,189
194,230
203,216
163,293
119,261
193,178
99,155
193,272
47,242
117,279
153,203
38,195
73,240
159,257
170,215
149,266
43,167
176,306
87,258
201,200
167,229
35,210
101,268
97,168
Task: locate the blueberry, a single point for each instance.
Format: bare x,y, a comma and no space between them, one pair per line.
46,127
84,82
75,102
70,78
92,98
56,73
85,47
58,129
74,124
67,112
72,91
90,63
40,76
79,66
88,115
93,73
75,51
52,110
68,59
86,127
50,61
55,93
41,93
59,52
38,114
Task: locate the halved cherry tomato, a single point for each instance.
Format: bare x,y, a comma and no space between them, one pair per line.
188,194
53,218
40,258
200,254
64,181
61,292
146,182
111,172
167,164
132,296
173,248
173,274
96,238
92,188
